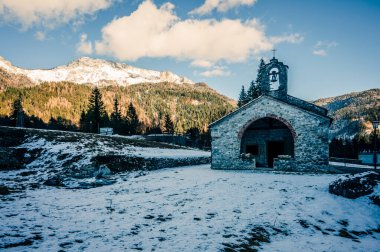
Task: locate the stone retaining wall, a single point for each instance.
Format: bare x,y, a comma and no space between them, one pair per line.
118,163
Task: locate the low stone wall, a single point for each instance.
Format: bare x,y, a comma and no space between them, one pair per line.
118,163
284,164
290,164
173,139
235,164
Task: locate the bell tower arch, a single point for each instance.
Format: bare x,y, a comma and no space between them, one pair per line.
274,79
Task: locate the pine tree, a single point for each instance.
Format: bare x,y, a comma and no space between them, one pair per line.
116,117
242,97
96,112
260,73
194,135
169,126
83,122
17,115
253,91
132,120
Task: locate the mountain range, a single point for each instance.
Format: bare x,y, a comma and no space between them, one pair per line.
63,92
87,70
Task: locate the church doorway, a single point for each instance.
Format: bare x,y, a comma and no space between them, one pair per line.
274,149
266,139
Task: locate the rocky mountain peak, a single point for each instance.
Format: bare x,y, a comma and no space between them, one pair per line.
86,70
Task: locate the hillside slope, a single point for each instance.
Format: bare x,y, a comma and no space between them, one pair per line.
352,112
62,93
189,105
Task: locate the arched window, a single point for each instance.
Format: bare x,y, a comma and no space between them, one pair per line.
274,79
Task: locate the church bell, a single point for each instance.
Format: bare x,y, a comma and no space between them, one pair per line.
274,76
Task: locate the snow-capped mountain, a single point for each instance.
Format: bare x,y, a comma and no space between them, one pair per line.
95,71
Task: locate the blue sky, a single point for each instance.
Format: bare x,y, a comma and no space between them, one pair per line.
331,47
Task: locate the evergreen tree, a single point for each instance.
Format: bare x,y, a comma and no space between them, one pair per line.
17,114
169,126
194,135
154,130
242,97
97,115
83,122
132,120
253,91
116,117
260,73
53,123
155,127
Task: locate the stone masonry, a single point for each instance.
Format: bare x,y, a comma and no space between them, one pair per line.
309,131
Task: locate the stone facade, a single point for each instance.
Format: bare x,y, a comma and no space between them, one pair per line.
275,130
308,130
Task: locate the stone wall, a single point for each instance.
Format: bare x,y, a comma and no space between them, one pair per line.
309,131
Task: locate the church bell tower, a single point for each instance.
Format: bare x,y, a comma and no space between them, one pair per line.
274,79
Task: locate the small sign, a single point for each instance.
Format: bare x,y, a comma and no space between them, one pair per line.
106,131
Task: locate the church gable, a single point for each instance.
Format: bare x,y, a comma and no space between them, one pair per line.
251,105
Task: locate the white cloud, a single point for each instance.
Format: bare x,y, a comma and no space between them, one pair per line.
202,63
153,31
220,6
319,52
39,35
292,38
216,71
84,46
48,13
321,48
326,43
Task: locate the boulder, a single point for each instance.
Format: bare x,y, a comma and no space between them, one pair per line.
354,186
4,190
375,199
95,183
102,172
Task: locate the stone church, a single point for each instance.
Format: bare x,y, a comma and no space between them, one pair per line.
274,130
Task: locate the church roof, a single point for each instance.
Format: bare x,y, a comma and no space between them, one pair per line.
290,100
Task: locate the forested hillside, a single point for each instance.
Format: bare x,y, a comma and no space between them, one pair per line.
189,106
352,113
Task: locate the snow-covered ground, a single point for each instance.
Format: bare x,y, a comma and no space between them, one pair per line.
61,150
49,153
191,209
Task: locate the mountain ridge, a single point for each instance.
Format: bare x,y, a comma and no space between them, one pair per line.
86,70
352,112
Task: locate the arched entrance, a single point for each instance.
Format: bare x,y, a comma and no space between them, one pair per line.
266,139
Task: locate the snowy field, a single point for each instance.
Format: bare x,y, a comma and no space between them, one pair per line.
191,209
